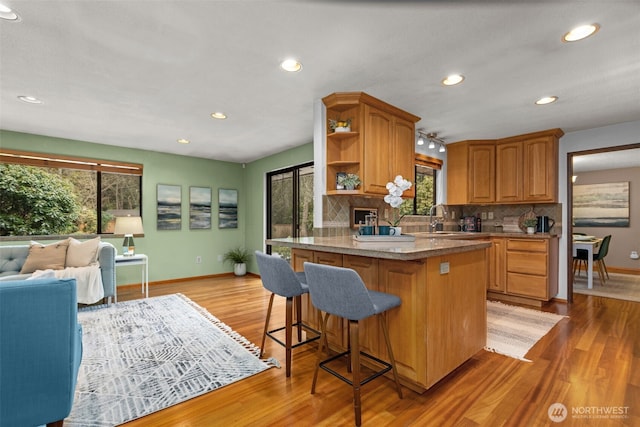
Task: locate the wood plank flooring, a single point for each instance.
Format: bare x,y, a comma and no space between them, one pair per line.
590,363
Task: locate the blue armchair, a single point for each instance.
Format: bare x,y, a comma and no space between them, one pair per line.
40,351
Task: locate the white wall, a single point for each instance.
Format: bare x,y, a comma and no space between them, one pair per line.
571,142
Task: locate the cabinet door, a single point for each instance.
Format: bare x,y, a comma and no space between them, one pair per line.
378,134
497,265
408,280
541,169
482,174
509,172
403,154
335,325
370,333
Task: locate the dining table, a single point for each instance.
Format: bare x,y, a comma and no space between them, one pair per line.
591,245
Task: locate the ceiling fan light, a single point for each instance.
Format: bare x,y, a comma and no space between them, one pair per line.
442,149
432,144
420,140
581,32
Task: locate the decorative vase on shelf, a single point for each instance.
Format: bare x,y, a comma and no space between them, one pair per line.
531,230
395,231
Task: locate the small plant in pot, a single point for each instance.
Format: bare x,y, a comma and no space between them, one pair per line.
349,181
531,224
239,258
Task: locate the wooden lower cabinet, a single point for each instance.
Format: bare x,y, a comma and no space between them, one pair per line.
441,322
529,268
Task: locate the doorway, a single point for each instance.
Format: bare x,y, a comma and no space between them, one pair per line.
289,205
596,159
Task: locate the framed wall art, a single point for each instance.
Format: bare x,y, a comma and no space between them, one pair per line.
199,208
169,200
601,205
227,208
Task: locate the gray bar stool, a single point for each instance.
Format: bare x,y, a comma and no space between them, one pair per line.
341,292
279,278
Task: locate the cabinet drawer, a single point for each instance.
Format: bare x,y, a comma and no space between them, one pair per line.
527,245
527,263
531,286
327,258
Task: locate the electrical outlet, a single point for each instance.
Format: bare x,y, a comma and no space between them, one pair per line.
198,259
219,258
490,215
483,215
444,267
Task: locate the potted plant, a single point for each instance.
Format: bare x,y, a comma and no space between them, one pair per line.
239,258
531,224
394,198
349,181
339,125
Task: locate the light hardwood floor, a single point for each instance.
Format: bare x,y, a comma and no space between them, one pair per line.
590,362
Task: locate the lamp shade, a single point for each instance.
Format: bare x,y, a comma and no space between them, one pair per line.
128,225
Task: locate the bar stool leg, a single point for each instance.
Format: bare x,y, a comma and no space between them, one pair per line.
298,304
266,325
355,356
288,333
385,330
323,340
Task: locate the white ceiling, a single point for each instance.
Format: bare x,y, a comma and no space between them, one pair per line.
144,73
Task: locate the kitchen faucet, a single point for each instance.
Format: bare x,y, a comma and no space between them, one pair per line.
432,223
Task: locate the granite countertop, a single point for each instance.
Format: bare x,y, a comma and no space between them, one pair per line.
474,235
422,247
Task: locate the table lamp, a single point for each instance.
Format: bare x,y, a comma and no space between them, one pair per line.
128,225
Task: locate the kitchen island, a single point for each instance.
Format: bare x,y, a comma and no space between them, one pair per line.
441,322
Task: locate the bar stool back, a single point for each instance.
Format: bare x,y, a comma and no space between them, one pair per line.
279,278
341,292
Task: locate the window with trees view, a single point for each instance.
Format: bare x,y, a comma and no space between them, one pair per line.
54,195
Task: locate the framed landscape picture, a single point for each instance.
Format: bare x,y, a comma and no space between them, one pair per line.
199,208
227,208
601,205
169,200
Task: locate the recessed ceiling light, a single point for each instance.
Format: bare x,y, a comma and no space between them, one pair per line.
581,32
7,13
546,100
453,79
183,141
219,115
30,99
291,65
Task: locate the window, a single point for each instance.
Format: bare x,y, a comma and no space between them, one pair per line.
425,182
43,194
289,205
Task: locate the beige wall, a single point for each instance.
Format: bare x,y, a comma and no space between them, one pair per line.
623,239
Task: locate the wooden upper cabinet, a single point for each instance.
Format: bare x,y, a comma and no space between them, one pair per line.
527,167
379,146
519,169
471,172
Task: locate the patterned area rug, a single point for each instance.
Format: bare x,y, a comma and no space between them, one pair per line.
513,330
145,355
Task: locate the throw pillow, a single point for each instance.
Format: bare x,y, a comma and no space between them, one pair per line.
43,257
82,254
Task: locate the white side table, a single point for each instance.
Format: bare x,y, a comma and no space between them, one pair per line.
137,259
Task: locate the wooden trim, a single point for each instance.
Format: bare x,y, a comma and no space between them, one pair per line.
430,162
183,279
70,162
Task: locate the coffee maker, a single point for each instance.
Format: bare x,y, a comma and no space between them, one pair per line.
544,224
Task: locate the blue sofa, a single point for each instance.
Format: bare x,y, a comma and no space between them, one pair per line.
12,259
40,351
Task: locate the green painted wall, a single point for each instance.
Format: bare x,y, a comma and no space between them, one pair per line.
172,254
